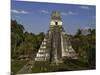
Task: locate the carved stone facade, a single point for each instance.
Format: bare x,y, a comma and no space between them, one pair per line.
56,45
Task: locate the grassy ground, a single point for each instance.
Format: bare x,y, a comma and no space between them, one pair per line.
16,65
38,67
68,65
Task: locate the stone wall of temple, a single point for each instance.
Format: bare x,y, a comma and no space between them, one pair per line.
56,44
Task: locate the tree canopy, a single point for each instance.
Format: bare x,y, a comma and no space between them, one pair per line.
23,43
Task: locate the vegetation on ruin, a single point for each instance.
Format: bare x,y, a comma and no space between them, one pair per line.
24,46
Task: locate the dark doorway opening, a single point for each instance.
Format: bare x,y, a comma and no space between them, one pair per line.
56,23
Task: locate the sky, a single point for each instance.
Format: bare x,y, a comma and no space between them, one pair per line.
35,16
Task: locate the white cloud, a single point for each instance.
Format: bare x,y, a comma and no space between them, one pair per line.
14,11
72,13
84,7
44,11
63,13
86,28
19,11
24,12
68,13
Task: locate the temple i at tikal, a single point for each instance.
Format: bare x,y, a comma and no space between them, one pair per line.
56,45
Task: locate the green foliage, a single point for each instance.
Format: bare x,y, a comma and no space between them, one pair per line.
23,43
27,44
78,32
16,36
16,65
84,45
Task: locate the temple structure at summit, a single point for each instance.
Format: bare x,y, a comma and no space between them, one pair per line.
56,45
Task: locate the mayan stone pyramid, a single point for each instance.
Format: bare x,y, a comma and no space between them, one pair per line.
56,45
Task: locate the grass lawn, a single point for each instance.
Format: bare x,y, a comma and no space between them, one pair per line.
68,65
16,65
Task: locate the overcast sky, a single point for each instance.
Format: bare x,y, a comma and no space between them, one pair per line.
35,17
